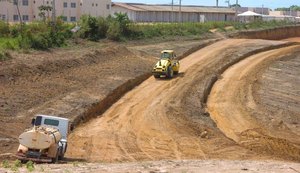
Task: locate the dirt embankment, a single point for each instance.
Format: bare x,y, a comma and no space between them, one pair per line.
77,83
162,119
269,34
235,109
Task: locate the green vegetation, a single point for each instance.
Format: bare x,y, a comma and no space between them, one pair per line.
293,8
14,167
30,166
46,34
5,164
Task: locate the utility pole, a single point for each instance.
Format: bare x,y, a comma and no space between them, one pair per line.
228,3
53,12
180,17
172,13
262,10
236,9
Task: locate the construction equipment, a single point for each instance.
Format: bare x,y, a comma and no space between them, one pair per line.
167,66
46,141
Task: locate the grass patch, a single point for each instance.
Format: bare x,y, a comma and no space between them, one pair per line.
9,43
30,166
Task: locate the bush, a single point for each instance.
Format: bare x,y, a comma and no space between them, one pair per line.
93,28
114,31
5,163
40,41
4,29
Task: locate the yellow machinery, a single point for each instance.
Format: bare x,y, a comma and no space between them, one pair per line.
167,66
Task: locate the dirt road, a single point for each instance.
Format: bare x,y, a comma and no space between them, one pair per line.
246,117
70,82
165,119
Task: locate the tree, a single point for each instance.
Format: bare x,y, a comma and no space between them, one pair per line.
123,20
293,8
235,5
43,9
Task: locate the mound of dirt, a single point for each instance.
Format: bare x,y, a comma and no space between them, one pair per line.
166,119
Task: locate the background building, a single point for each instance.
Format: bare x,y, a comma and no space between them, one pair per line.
71,10
285,13
168,13
259,10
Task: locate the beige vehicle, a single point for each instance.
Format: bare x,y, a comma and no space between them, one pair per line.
46,141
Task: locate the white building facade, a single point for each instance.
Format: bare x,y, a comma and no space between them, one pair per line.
166,13
70,10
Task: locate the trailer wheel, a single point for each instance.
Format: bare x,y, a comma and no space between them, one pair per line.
55,160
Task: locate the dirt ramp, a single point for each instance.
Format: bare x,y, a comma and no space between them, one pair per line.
243,104
165,119
270,34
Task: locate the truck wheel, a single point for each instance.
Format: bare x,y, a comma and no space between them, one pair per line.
170,72
55,160
156,76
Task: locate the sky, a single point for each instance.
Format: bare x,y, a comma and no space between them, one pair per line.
244,3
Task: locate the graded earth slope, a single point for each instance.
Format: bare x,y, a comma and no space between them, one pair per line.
72,82
256,102
166,119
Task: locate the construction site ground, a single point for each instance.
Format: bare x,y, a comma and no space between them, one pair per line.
234,105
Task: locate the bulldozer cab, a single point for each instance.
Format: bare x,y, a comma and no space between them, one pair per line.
167,54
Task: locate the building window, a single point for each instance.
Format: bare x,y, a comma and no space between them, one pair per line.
108,6
15,2
25,2
64,18
3,17
73,5
65,5
47,2
34,2
73,19
16,17
92,4
25,18
96,5
80,4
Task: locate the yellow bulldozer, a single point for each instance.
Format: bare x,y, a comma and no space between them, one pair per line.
167,66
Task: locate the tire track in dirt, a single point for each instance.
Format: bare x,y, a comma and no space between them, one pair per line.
231,100
160,119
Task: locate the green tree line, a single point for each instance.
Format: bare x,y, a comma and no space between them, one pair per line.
293,8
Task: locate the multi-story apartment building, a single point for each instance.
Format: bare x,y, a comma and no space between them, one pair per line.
70,10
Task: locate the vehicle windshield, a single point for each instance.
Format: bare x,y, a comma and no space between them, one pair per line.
165,55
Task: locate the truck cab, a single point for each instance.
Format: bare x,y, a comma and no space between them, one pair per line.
62,124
